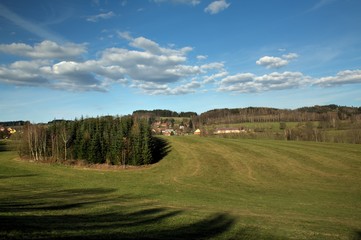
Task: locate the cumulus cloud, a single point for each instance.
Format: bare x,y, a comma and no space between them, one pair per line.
249,82
65,75
272,62
46,49
164,89
145,65
276,62
213,65
154,48
217,6
101,16
212,78
24,73
341,78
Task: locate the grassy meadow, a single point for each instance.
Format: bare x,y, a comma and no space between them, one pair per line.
204,188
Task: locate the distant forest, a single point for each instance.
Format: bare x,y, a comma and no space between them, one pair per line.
163,113
263,114
13,123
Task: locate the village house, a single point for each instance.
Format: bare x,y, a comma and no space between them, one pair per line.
168,132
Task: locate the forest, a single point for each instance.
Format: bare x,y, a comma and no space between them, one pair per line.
163,113
264,114
112,140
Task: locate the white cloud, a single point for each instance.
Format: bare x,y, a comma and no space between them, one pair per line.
290,56
276,62
46,49
153,47
217,6
149,66
146,66
71,76
248,82
213,77
238,78
341,78
101,16
185,89
125,35
24,73
272,62
202,57
164,89
213,65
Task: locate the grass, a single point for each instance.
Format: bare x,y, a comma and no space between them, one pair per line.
204,188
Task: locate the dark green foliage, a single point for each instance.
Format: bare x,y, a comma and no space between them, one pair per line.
162,113
111,140
330,112
14,123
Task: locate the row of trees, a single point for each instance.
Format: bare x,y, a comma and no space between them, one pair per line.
311,132
262,114
163,113
112,140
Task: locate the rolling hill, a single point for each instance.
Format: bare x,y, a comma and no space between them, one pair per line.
203,188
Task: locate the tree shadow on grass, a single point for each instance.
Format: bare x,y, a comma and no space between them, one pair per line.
17,176
3,146
356,235
161,148
100,213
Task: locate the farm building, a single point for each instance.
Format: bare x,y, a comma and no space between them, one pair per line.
197,132
229,131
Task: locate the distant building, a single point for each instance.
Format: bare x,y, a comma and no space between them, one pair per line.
229,131
168,132
197,132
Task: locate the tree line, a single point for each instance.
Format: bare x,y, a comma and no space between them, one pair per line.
262,114
112,140
162,113
14,123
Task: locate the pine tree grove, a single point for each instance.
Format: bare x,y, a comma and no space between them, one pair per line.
112,140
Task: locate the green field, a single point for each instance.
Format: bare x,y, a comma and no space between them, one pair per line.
203,188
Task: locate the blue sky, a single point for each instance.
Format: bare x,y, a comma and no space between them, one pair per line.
67,59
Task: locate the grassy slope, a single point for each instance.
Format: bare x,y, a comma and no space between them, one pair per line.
204,188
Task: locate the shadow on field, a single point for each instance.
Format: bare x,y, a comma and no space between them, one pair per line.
3,146
17,176
356,235
161,148
98,213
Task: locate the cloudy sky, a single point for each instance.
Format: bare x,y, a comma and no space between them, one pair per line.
67,59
